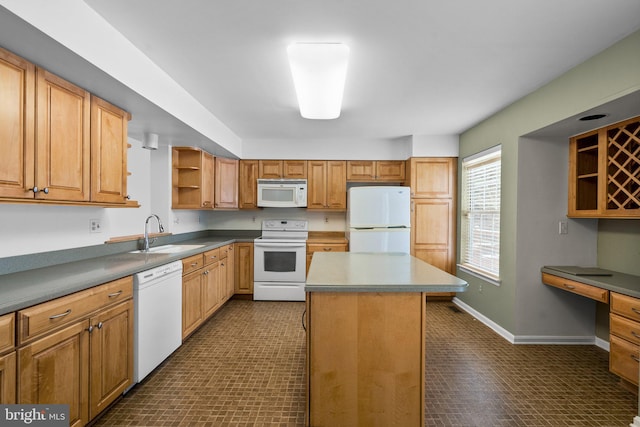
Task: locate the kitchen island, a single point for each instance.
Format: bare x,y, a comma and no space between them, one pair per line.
366,337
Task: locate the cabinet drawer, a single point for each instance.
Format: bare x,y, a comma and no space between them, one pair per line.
623,359
624,328
7,332
225,250
326,247
579,288
192,263
43,317
211,256
625,306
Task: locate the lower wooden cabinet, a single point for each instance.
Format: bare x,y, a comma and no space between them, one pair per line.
624,338
111,355
8,378
243,280
86,363
55,369
207,283
7,359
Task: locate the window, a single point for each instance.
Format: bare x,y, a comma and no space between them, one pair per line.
480,222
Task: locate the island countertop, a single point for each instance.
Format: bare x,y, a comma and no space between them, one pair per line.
377,272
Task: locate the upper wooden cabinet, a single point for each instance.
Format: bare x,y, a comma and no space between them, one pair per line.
603,172
63,151
327,184
370,170
17,77
247,184
108,152
192,178
274,169
58,144
431,177
226,183
202,181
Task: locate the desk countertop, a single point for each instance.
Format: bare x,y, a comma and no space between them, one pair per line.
615,281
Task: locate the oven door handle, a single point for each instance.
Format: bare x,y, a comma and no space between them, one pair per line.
280,245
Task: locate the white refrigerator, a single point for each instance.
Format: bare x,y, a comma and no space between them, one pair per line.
379,219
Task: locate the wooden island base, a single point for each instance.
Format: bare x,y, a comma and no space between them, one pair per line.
365,358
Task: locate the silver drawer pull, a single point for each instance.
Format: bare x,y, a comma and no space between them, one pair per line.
569,286
635,334
635,310
194,264
634,357
57,316
115,294
327,249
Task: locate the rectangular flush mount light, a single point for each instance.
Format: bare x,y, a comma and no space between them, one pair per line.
319,71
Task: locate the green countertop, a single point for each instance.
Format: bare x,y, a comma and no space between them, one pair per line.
25,288
377,272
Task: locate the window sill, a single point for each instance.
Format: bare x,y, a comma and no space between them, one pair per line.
480,274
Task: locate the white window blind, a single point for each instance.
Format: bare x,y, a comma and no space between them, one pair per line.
480,239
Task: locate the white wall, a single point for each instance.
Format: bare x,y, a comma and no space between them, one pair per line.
545,313
353,148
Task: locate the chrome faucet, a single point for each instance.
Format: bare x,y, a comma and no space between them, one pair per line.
146,230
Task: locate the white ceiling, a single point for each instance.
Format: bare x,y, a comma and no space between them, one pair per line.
418,67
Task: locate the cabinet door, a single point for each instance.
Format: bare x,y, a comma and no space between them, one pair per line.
231,273
390,170
243,280
433,177
585,158
317,184
192,314
208,181
110,355
211,289
226,194
8,379
62,139
224,281
17,85
294,169
361,170
270,169
108,152
432,232
55,370
247,184
337,185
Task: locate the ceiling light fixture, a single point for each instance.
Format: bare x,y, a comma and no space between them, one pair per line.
319,71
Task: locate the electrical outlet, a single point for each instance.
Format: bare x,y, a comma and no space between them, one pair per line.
480,288
95,226
563,227
326,220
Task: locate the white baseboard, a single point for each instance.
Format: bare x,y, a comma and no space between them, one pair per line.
531,339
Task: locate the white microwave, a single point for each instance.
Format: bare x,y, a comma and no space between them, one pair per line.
282,193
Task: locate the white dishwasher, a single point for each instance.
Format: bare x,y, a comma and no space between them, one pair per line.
157,297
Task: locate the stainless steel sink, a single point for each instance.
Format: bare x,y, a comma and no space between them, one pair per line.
168,249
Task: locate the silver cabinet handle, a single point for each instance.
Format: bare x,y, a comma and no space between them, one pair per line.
194,264
635,334
634,357
90,328
35,189
569,286
115,294
57,316
99,325
635,310
327,249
